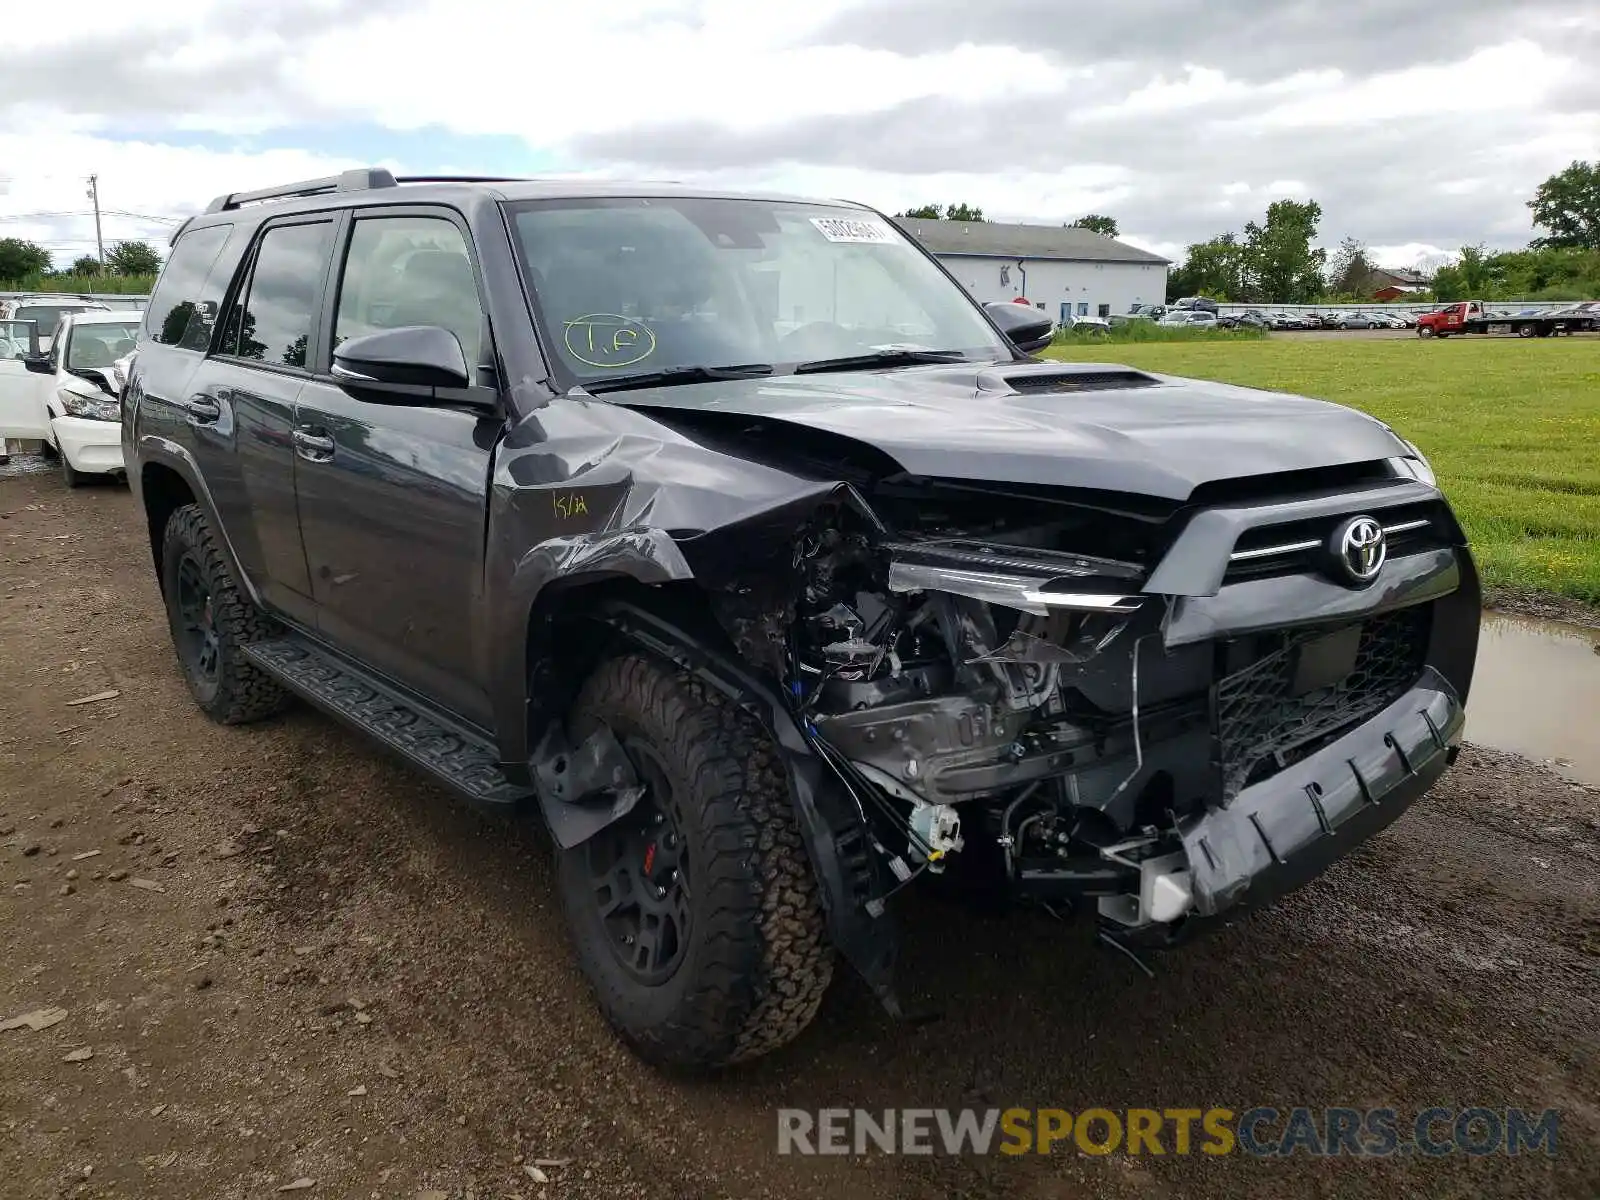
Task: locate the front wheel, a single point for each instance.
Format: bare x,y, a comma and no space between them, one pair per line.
211,621
696,917
69,476
1424,331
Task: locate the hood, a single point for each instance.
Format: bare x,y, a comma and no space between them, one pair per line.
1089,425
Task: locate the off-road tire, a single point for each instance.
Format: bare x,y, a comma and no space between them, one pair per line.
757,961
240,691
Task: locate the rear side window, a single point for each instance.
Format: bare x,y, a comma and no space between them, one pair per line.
271,318
183,305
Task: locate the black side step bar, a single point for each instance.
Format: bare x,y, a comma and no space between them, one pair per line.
457,757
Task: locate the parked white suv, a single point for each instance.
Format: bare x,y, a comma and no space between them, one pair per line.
46,312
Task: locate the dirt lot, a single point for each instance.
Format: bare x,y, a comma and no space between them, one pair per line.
291,959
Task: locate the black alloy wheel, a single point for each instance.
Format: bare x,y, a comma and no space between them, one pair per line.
639,874
197,633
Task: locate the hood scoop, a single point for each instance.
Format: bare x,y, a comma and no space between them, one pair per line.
1051,378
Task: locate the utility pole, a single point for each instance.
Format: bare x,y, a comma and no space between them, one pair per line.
94,194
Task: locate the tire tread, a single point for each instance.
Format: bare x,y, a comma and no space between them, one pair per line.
245,692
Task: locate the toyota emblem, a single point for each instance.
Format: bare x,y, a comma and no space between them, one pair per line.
1359,548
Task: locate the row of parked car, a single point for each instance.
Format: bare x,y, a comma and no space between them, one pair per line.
63,359
1257,319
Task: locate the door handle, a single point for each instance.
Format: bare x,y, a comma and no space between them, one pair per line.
313,446
202,410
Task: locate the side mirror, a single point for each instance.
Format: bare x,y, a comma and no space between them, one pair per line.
417,355
1026,328
39,364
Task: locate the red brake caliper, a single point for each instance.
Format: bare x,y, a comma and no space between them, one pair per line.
649,859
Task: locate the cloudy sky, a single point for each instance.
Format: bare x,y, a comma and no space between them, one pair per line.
1418,126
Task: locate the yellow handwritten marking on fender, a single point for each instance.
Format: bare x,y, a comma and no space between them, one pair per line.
571,504
609,340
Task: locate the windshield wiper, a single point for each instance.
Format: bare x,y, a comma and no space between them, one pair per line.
880,358
672,376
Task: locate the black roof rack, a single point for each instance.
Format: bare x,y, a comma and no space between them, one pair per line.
348,181
460,178
360,180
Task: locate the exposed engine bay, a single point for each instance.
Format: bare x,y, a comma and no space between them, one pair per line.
982,697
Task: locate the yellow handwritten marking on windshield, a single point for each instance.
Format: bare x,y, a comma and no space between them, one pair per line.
609,340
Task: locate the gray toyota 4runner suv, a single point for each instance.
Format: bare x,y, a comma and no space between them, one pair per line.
733,538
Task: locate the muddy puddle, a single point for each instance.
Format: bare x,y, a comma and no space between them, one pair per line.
1537,692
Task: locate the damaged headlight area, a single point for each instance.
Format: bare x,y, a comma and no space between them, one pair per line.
80,398
1005,706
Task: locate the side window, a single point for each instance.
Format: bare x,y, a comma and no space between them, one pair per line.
183,304
409,271
271,318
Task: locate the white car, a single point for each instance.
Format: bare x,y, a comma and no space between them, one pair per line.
79,388
1089,324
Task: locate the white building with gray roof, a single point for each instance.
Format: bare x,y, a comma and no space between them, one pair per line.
1066,272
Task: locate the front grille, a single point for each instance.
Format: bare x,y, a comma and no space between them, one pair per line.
1263,727
1297,547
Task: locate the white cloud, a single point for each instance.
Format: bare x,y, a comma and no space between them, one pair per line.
1410,130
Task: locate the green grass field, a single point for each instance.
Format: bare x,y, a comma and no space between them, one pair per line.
1511,427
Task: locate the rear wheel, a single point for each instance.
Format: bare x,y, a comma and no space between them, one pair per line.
696,917
211,621
1527,331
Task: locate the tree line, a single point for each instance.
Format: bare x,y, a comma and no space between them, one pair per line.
1094,222
1274,262
22,261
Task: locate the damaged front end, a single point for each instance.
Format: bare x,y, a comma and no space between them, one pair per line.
1001,693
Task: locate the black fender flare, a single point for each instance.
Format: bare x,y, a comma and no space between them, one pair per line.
154,450
644,555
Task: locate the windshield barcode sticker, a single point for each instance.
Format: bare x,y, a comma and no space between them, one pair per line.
849,229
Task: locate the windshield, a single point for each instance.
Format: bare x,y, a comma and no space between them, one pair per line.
49,315
632,285
100,343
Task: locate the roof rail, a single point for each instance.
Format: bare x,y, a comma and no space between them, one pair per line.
358,180
459,178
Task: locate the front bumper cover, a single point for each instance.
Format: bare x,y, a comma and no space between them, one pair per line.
92,447
1286,830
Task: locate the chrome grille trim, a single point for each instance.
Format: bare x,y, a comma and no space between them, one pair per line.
1298,547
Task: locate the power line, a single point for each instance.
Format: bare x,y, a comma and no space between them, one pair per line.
117,212
110,212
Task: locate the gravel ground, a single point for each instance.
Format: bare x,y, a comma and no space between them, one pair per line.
289,958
